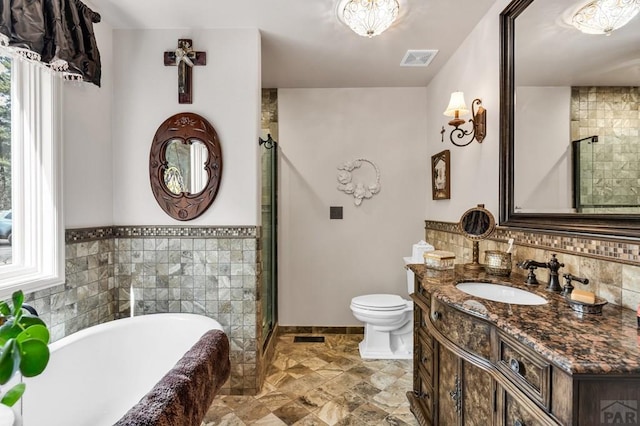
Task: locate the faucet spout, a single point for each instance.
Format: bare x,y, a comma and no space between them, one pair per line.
552,265
554,280
526,264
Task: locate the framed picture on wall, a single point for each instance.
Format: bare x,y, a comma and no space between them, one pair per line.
440,181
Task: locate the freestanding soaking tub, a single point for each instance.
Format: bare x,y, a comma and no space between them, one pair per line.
96,375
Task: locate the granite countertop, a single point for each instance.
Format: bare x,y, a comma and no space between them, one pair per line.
577,343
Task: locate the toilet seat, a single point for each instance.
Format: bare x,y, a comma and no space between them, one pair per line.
379,302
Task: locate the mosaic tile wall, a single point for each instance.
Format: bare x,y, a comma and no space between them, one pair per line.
610,168
613,268
208,271
215,277
88,296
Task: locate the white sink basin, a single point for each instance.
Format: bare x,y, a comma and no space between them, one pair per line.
501,293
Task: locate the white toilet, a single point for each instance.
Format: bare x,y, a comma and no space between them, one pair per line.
388,318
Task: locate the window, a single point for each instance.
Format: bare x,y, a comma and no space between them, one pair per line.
31,229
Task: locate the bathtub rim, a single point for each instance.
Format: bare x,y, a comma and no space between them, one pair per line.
123,322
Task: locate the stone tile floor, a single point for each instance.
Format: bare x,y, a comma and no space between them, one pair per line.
322,384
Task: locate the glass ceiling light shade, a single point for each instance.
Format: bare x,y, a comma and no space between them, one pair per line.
605,16
369,18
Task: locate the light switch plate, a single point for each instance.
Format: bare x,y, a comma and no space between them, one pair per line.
335,212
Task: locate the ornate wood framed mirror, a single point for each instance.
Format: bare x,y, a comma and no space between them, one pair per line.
541,111
185,165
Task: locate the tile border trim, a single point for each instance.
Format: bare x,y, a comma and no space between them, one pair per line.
159,231
587,246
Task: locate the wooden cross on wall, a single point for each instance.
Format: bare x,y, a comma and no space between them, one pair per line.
185,58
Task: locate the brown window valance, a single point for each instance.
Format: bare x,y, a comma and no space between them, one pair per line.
57,32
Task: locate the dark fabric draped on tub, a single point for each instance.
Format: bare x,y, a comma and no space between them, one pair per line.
58,33
183,396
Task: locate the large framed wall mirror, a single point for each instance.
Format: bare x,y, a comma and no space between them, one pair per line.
569,122
185,165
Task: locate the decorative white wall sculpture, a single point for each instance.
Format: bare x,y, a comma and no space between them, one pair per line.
359,190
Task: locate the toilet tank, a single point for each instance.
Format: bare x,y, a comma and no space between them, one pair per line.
410,274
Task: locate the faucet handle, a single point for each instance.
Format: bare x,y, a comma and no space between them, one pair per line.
568,287
531,277
554,263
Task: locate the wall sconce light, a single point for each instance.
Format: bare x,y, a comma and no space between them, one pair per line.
458,107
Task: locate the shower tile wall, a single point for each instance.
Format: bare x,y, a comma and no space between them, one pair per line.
611,167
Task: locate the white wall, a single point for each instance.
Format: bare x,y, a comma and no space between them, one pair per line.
473,69
226,92
323,263
88,177
543,153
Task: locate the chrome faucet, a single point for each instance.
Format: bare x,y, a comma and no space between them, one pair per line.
552,265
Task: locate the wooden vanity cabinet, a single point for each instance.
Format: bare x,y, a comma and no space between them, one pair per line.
447,389
468,373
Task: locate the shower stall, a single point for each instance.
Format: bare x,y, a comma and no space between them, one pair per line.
605,175
269,160
606,149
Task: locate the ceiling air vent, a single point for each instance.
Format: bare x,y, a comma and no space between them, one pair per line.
418,58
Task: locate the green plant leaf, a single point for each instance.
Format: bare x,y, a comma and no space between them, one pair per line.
17,316
13,395
35,357
9,360
17,298
38,332
9,330
4,309
28,321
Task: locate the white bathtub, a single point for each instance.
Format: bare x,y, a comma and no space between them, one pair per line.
96,375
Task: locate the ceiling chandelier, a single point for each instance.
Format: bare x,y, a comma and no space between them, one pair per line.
605,16
368,18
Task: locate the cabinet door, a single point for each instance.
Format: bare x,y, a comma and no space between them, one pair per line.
478,394
465,392
449,388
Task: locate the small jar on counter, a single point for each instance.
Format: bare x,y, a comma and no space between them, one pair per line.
439,259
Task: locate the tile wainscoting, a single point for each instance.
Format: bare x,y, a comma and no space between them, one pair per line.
212,271
88,296
612,266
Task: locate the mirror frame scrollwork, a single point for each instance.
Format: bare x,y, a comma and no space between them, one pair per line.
185,127
621,226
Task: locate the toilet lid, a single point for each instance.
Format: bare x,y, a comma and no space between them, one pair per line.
380,302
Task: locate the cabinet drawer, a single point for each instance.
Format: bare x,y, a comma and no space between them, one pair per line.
425,359
516,412
469,333
525,368
424,334
425,397
425,295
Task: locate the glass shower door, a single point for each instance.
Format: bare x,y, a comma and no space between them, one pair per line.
269,158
